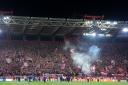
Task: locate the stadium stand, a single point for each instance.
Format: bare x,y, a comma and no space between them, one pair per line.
29,49
39,57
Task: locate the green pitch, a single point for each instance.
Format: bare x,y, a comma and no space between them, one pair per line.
63,83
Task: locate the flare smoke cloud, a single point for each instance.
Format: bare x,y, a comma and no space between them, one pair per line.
83,59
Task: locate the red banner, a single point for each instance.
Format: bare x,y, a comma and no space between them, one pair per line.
93,17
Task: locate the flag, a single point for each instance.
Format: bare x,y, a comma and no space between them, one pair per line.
103,73
8,60
113,62
29,58
63,66
25,64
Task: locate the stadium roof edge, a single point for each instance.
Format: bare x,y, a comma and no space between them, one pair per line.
60,19
57,26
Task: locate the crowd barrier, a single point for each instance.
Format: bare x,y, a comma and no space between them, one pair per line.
53,79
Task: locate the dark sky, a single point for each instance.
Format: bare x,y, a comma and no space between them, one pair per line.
111,9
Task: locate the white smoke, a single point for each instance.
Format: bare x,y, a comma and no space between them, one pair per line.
83,59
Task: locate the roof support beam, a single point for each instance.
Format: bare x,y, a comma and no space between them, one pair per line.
25,25
71,31
24,29
55,31
41,31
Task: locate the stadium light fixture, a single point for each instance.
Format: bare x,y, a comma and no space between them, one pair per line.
89,22
114,23
108,22
90,34
98,22
93,34
108,35
125,29
87,34
6,19
100,35
84,34
103,29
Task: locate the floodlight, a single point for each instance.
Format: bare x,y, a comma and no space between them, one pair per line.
114,23
108,35
93,34
6,18
98,22
125,29
90,34
101,35
84,34
103,29
108,22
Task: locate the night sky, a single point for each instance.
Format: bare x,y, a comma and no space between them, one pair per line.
111,9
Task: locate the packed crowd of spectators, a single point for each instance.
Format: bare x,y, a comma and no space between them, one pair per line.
114,59
28,57
38,57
